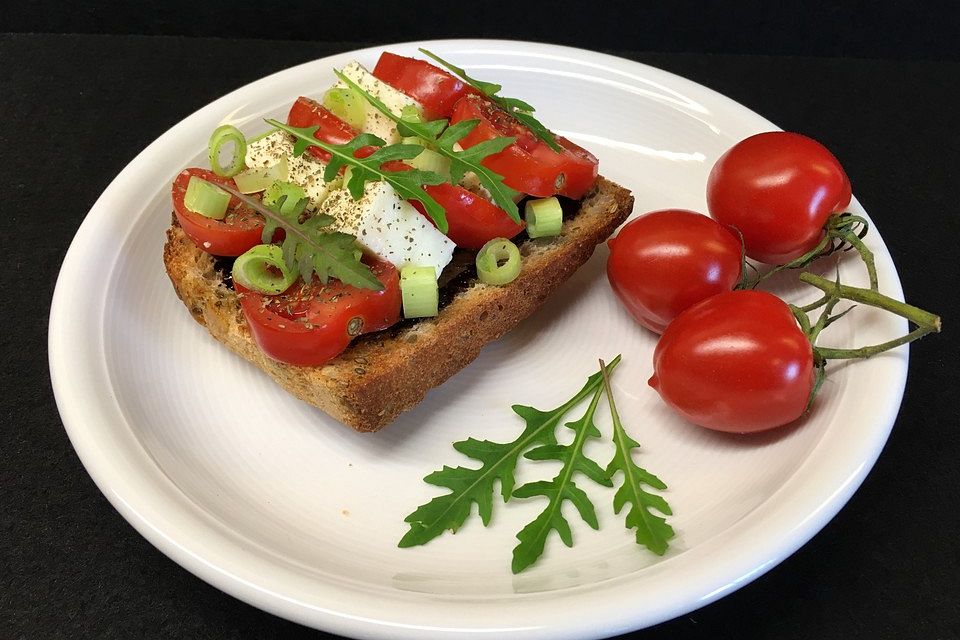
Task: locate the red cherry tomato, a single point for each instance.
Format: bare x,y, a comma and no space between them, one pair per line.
528,165
735,362
308,113
235,234
435,89
778,189
665,261
310,324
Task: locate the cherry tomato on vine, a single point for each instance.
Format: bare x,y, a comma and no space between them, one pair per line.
736,362
778,189
665,261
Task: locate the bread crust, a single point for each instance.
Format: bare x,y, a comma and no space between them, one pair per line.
385,373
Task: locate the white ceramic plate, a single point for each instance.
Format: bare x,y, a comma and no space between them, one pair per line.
278,505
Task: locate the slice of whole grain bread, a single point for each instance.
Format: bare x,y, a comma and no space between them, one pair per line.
385,373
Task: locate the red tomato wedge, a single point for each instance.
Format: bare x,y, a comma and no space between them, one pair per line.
310,324
435,89
237,232
529,165
309,113
473,220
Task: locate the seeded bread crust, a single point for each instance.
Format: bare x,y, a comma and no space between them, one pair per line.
383,374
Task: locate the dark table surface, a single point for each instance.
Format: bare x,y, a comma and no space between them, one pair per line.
76,109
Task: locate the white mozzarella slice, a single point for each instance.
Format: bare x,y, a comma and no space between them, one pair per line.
374,121
305,170
389,226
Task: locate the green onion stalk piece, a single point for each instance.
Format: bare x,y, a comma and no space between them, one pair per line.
206,198
414,140
256,180
347,105
430,160
292,194
418,288
262,269
498,262
221,136
410,113
544,217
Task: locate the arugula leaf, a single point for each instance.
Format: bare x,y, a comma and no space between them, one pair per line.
533,537
498,462
307,249
518,108
461,161
652,531
408,184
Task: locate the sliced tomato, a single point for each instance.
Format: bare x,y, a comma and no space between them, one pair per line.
310,324
519,168
473,220
578,166
528,165
435,89
309,113
237,232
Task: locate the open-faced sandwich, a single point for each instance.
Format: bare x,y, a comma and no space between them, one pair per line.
366,249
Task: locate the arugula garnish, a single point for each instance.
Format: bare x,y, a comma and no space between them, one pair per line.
408,184
652,531
539,442
533,537
498,462
307,248
519,109
437,134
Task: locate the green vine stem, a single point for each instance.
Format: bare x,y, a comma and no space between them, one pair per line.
842,232
834,292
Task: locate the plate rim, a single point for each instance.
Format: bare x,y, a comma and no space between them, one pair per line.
616,620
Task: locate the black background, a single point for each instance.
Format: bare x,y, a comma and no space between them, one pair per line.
878,84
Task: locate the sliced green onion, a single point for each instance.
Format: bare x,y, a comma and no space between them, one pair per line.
256,180
205,198
410,113
293,193
347,105
430,160
220,136
544,217
262,269
498,262
418,288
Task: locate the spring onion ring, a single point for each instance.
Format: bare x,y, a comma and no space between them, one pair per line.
262,269
220,136
498,262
